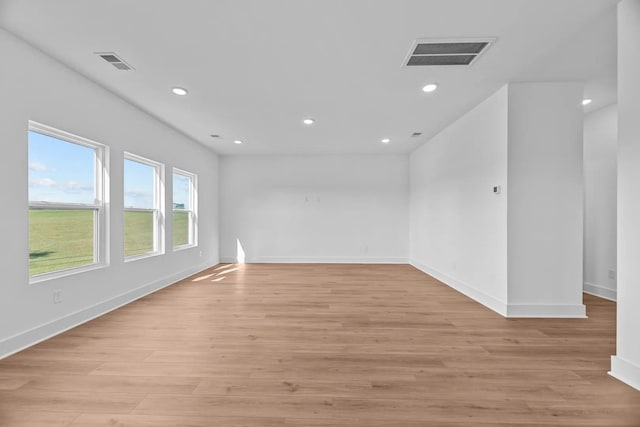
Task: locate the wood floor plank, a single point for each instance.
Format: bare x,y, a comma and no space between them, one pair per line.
113,384
13,383
39,418
68,401
119,420
277,345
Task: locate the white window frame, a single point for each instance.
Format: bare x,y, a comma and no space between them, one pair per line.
192,211
99,205
157,210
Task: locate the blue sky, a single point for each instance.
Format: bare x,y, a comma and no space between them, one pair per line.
63,172
59,171
138,185
181,190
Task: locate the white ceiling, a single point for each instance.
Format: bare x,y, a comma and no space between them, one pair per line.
256,68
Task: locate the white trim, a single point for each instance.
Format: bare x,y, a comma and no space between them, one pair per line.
487,300
43,332
500,307
578,311
600,291
145,255
100,204
158,205
193,207
318,260
63,206
150,210
44,277
63,135
625,371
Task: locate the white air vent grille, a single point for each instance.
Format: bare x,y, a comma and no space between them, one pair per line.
428,52
115,60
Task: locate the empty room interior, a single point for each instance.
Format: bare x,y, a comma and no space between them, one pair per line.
320,213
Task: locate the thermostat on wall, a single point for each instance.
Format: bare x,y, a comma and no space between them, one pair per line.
496,189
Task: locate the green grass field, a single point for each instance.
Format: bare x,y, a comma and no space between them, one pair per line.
61,239
180,228
138,233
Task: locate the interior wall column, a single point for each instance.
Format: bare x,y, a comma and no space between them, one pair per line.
545,200
625,365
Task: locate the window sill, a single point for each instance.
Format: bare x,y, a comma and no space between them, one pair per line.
45,277
142,256
183,247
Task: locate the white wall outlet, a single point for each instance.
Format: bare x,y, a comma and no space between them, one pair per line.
612,274
57,296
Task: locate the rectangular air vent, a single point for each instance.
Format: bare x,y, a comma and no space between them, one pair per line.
115,60
428,52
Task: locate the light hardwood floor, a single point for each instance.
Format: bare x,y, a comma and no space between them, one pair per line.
319,345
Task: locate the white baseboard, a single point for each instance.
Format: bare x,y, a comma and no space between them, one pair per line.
479,296
319,260
600,291
506,310
625,371
577,311
23,340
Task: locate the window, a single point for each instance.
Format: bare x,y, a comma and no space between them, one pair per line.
184,209
67,191
143,207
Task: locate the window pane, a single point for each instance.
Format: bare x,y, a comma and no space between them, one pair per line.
138,232
138,185
183,205
139,193
180,228
60,239
181,191
60,171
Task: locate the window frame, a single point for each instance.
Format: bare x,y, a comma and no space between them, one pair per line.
158,210
99,205
192,211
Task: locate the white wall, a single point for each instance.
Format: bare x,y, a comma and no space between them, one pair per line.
458,226
35,87
315,208
600,170
545,205
518,252
625,365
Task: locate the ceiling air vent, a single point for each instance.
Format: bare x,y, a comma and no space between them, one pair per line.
445,52
115,60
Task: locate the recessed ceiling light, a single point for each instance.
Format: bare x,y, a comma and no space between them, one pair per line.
586,101
179,91
308,121
237,141
430,87
386,141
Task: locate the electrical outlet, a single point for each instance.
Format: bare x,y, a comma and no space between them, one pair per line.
612,274
200,253
57,296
